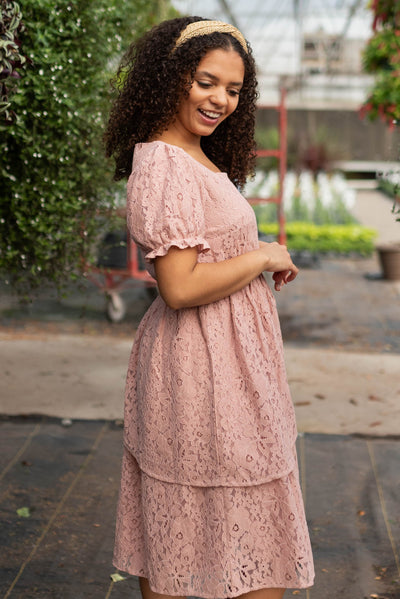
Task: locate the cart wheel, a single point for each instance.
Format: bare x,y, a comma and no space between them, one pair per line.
116,308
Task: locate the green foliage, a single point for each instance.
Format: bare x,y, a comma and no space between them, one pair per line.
307,209
267,139
53,176
11,57
340,239
300,211
382,58
391,189
338,213
390,185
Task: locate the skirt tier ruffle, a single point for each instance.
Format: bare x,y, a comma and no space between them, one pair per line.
212,542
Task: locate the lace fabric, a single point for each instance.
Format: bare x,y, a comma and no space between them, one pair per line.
209,423
207,401
212,542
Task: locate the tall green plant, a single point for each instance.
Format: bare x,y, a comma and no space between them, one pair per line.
53,177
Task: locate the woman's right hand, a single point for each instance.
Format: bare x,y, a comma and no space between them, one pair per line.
184,282
279,262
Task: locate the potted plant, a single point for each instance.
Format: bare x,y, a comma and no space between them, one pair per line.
389,258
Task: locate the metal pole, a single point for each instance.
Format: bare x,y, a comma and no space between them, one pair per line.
282,164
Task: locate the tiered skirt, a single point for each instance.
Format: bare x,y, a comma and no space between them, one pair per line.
212,542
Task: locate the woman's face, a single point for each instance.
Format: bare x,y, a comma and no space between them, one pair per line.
214,94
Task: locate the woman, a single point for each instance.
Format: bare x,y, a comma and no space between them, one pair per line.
210,503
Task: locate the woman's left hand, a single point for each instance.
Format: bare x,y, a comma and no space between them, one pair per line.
282,278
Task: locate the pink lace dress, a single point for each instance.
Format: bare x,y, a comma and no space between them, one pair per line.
210,502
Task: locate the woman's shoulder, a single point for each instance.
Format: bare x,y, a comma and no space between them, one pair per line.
158,165
157,154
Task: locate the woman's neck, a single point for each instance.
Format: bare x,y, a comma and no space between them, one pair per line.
191,145
175,137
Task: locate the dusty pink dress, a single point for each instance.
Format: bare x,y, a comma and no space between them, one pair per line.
210,501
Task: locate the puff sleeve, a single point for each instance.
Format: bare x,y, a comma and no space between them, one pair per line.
164,206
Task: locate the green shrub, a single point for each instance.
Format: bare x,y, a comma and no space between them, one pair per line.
53,176
340,239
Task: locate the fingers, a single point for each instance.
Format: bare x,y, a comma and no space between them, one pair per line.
279,278
291,274
279,262
284,276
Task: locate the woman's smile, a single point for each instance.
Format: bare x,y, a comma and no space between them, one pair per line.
213,96
210,116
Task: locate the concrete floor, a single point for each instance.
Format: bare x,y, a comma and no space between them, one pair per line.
374,209
66,478
341,330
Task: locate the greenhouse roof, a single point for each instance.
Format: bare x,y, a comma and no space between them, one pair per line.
276,28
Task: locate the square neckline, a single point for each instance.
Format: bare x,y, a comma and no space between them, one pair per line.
159,141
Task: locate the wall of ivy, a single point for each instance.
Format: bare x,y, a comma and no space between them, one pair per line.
54,179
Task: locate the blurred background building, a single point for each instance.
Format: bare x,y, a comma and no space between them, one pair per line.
312,48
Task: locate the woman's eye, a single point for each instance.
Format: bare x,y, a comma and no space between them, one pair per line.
208,85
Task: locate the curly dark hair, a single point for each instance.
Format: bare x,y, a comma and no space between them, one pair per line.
151,81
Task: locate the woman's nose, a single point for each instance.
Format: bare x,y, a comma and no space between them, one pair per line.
219,97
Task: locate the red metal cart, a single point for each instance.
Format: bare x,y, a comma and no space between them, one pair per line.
111,280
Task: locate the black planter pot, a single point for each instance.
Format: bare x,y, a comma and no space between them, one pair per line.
113,251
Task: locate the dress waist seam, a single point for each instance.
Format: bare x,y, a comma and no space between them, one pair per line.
146,469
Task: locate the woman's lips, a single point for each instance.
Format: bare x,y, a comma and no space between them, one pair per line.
210,117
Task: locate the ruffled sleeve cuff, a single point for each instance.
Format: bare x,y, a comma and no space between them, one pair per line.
190,242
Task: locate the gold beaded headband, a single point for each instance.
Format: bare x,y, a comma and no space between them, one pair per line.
199,28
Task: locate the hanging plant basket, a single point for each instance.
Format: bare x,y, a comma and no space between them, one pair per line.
389,257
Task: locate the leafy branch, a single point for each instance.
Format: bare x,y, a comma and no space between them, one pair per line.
382,58
11,57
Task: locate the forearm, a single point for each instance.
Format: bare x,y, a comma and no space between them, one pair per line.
210,282
184,283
